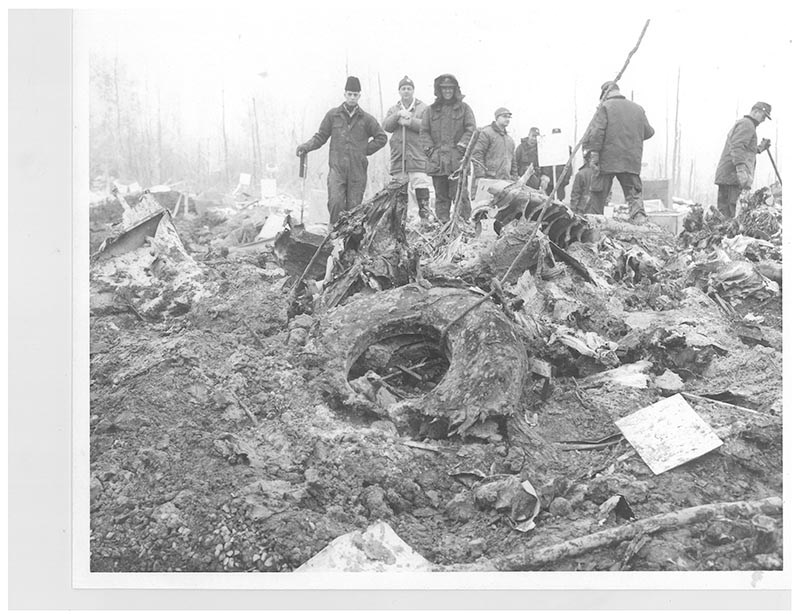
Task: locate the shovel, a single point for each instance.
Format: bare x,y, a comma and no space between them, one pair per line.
769,153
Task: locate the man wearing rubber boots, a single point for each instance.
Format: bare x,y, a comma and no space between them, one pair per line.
737,164
354,135
615,143
447,126
407,160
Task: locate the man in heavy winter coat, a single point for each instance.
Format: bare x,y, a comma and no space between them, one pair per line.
579,196
528,153
615,143
737,164
407,159
447,126
493,154
354,135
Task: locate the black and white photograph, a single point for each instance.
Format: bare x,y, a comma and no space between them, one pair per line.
429,292
453,295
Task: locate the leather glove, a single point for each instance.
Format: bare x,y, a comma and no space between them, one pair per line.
764,145
742,177
301,151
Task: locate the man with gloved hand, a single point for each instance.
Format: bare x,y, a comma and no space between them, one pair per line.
407,159
737,164
354,135
447,126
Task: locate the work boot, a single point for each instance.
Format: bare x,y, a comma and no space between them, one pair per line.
639,218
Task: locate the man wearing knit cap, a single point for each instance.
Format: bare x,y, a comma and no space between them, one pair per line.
615,144
354,135
737,164
493,155
447,127
407,160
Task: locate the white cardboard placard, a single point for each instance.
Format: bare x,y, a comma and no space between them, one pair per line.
668,433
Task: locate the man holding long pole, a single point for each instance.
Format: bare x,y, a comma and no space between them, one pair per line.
407,159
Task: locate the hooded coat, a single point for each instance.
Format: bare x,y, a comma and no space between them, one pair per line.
740,148
494,153
415,159
618,132
447,127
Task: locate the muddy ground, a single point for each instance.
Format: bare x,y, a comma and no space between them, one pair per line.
213,449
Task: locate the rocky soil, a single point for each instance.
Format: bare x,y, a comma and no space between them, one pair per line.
214,449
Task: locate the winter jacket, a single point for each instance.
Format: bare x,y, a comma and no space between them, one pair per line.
617,132
416,160
446,130
352,139
527,153
493,154
740,149
579,197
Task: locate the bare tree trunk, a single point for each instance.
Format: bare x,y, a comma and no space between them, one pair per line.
675,160
225,140
117,104
257,142
160,164
666,141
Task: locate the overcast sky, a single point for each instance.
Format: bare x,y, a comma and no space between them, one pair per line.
545,61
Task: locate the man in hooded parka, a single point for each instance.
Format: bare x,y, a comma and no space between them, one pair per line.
447,126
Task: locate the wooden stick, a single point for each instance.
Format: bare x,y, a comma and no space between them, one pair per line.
575,149
536,559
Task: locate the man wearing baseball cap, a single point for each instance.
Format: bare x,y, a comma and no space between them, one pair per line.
407,159
354,135
493,155
737,164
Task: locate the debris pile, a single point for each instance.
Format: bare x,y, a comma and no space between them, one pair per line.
378,398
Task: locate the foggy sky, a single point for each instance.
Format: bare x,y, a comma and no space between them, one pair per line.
543,61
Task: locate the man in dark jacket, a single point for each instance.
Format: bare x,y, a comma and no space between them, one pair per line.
493,154
528,153
407,159
615,143
737,164
447,126
579,197
354,135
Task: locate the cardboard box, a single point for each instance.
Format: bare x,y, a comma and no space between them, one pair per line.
671,221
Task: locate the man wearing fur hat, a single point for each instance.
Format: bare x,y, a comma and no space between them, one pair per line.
407,160
737,164
447,126
493,155
615,144
354,135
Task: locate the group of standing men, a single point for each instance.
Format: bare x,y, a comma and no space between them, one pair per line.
428,144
